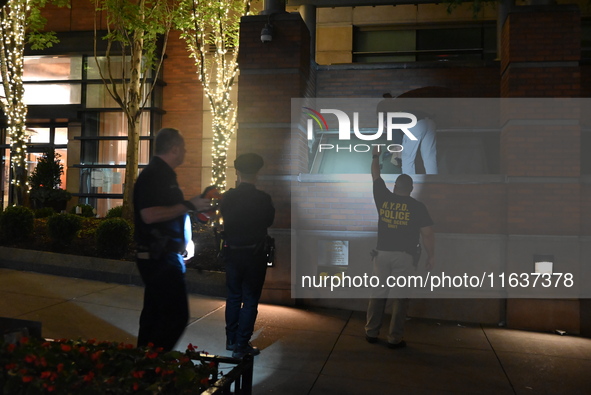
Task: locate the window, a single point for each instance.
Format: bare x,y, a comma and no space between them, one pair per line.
47,79
378,44
103,139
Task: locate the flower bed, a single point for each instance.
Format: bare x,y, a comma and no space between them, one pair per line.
38,366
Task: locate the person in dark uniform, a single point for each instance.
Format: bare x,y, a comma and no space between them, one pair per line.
402,220
247,213
162,231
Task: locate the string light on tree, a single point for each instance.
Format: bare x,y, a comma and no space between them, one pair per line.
215,25
13,20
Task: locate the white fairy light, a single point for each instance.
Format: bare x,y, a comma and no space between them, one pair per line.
13,20
217,24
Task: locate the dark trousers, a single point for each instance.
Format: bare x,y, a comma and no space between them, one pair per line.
166,307
245,276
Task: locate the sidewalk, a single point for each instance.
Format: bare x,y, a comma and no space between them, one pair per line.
320,351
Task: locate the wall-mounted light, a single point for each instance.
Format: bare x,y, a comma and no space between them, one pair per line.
267,33
544,264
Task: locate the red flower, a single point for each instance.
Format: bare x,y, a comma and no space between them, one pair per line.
60,367
30,358
11,366
151,355
136,386
46,374
89,376
190,347
27,379
205,380
66,348
11,347
91,341
158,369
24,340
138,374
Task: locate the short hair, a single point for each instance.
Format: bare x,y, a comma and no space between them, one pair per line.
404,183
167,138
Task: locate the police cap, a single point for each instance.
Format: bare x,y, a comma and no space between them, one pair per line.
249,163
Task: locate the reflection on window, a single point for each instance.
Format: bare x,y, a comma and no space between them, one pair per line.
52,94
61,136
111,152
38,69
106,180
473,152
97,96
372,44
118,69
52,68
39,135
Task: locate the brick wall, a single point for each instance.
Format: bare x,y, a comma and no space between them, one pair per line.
546,37
353,82
183,103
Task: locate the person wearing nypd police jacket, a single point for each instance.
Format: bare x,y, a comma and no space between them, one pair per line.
247,212
402,221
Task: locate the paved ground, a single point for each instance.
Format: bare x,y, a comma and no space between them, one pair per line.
320,351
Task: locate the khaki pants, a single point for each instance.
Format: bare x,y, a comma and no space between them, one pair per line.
385,264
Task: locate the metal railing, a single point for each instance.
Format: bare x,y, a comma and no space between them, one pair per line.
238,381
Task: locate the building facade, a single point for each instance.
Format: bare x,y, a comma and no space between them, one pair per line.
502,196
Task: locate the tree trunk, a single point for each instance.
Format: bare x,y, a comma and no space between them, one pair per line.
11,65
133,114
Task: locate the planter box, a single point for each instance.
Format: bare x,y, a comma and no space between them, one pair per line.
101,269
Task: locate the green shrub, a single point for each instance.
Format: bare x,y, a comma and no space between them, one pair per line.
87,210
62,228
115,212
44,212
113,238
16,223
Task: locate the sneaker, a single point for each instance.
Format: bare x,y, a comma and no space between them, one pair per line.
241,351
371,339
230,345
395,346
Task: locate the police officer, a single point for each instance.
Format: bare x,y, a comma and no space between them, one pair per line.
402,219
247,213
162,231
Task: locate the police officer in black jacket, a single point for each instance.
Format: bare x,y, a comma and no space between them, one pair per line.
162,231
247,213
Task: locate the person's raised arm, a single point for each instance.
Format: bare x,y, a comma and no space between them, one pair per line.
375,162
